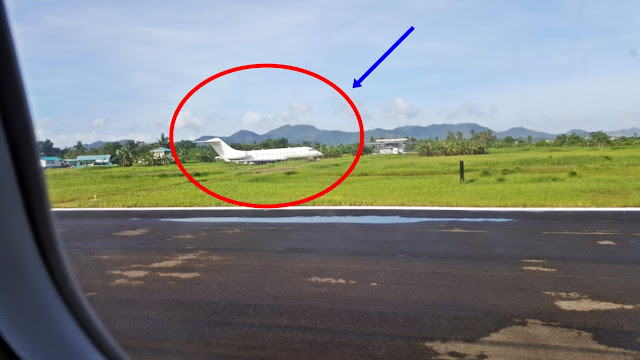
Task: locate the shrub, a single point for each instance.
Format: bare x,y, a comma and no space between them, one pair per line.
485,173
572,174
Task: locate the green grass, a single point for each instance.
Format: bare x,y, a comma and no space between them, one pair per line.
582,177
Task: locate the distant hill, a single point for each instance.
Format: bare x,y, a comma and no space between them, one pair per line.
523,133
300,133
578,132
624,132
100,143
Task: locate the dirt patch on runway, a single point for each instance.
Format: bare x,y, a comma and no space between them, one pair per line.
605,242
535,340
538,268
126,282
579,302
135,232
330,280
129,273
180,275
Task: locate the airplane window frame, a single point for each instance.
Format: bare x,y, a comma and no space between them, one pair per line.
26,198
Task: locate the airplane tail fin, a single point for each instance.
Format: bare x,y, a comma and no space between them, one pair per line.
225,151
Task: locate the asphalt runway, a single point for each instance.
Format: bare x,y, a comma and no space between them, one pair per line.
361,284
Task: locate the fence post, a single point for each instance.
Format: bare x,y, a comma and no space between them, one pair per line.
461,171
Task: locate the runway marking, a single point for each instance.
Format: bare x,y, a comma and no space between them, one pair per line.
534,261
606,242
535,340
91,294
180,275
126,282
457,230
135,232
407,208
538,268
581,232
330,280
333,219
129,273
581,302
373,284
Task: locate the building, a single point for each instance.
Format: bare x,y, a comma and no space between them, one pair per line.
162,152
69,162
50,162
93,160
390,146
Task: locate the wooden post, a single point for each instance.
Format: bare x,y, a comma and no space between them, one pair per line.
461,171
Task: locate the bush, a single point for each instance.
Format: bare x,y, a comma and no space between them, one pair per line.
485,173
501,179
572,174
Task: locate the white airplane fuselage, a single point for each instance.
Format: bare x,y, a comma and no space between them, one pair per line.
227,153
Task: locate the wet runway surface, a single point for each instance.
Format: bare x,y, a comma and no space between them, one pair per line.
354,284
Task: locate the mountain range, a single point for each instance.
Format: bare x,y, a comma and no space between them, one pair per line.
299,133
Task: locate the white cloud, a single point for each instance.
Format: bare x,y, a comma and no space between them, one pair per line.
468,110
187,120
398,109
97,122
252,119
295,114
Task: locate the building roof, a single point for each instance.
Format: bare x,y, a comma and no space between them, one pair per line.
93,157
392,140
161,149
50,158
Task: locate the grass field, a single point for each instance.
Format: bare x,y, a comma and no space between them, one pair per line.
530,177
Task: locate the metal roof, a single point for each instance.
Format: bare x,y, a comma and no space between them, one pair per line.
93,157
383,141
50,158
161,149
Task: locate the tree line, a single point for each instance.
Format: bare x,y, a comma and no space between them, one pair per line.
480,142
138,152
126,154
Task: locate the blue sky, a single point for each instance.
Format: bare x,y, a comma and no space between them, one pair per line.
114,70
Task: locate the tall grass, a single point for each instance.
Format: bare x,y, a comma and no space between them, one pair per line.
580,177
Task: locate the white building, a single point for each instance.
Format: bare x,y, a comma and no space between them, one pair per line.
390,146
50,162
162,152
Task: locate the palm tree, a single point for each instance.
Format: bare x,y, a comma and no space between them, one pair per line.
79,148
125,156
163,141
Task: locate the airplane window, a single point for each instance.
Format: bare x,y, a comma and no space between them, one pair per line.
488,207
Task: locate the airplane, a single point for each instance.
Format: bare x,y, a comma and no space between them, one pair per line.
227,153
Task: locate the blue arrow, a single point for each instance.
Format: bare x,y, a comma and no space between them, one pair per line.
358,83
